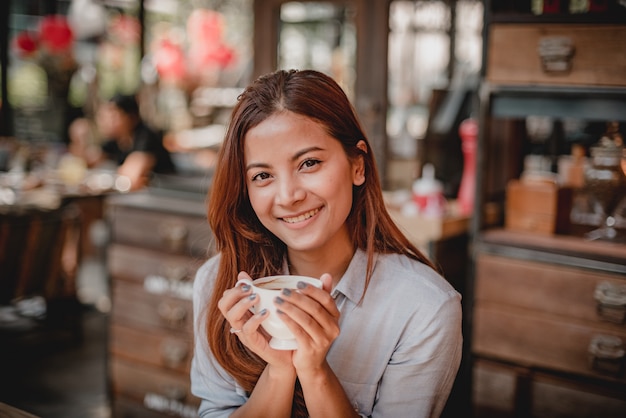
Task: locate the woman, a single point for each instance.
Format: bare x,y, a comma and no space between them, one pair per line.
296,191
132,147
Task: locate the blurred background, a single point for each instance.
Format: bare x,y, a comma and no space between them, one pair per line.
484,116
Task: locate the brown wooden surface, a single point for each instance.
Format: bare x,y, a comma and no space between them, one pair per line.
138,264
157,245
161,230
537,207
566,292
152,347
539,394
132,305
599,58
533,339
8,411
135,381
564,244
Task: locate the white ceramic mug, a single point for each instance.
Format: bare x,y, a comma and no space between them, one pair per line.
267,288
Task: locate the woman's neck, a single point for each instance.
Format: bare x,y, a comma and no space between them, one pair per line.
315,264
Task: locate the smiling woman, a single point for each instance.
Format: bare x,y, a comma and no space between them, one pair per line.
296,192
294,172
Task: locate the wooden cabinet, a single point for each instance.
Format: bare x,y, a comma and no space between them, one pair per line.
536,326
158,242
541,343
557,54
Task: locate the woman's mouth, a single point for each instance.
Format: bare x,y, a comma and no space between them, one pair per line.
302,217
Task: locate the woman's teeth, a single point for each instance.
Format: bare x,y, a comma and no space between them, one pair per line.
302,217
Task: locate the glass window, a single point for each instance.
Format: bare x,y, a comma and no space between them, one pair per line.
198,58
319,36
432,46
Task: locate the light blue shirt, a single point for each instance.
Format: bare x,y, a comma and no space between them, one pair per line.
398,351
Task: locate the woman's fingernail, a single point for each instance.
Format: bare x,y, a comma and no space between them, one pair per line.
252,296
245,287
301,285
287,292
263,311
279,300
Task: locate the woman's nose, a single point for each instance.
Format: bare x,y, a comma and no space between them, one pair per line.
289,191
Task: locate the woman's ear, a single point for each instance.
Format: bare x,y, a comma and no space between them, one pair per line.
358,167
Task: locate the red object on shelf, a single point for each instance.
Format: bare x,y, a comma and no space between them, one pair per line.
551,6
468,130
598,5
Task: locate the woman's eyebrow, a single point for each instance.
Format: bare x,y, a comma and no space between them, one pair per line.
304,151
257,165
294,158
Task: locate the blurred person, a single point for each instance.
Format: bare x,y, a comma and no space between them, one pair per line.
129,144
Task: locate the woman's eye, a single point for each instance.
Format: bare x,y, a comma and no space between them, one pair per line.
310,163
260,176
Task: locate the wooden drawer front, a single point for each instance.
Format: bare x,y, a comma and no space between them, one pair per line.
132,304
501,390
598,57
564,291
161,349
535,340
161,231
575,400
158,272
157,390
128,408
493,389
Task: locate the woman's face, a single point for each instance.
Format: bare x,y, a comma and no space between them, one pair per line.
112,122
300,182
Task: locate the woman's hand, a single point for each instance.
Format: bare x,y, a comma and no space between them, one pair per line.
235,305
312,316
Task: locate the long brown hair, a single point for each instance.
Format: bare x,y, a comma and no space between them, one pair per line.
244,244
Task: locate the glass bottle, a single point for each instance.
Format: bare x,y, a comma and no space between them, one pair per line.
606,183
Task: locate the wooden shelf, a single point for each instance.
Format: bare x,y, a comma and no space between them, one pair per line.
559,249
586,103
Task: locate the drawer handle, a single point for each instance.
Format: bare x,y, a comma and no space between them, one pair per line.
606,354
175,272
174,235
556,54
611,301
174,352
172,314
174,392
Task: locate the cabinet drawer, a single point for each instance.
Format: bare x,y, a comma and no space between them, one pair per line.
542,287
132,304
155,389
499,390
164,231
597,55
156,348
158,272
535,340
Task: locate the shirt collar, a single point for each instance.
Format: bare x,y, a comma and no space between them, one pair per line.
352,282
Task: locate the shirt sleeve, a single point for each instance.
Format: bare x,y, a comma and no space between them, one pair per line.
419,376
218,392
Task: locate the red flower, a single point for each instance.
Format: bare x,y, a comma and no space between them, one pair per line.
126,29
210,56
55,34
207,49
25,44
205,26
169,60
